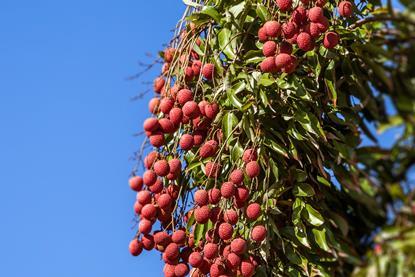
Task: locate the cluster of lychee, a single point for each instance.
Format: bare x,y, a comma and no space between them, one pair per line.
303,28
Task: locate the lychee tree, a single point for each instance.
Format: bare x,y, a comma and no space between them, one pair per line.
254,162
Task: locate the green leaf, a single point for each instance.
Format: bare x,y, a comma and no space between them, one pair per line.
303,189
313,216
323,181
237,9
263,13
212,12
320,239
229,121
224,38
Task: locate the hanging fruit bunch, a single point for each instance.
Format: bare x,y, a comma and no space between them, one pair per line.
253,164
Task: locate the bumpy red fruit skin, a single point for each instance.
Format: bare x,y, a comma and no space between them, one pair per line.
149,177
202,214
212,169
242,194
201,197
175,166
164,201
269,48
236,176
210,250
258,233
157,186
238,246
148,242
136,183
196,66
289,29
161,168
211,110
149,211
179,237
272,28
227,190
195,259
299,16
137,207
233,260
262,34
249,155
176,116
145,226
158,84
144,197
172,251
208,71
225,231
315,14
191,109
166,104
230,216
253,211
216,270
181,270
282,60
167,126
184,95
153,105
345,8
186,142
150,159
321,3
285,48
206,151
162,239
305,42
157,139
188,74
135,247
151,124
214,196
247,268
331,39
252,169
169,54
284,5
268,65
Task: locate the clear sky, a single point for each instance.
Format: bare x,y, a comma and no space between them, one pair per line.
66,133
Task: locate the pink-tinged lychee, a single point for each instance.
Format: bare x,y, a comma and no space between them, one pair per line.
149,177
181,270
324,25
161,168
148,242
299,16
345,8
188,74
157,139
268,65
249,155
216,270
210,250
252,169
135,247
173,190
272,29
198,137
285,48
289,29
136,183
214,196
331,39
316,14
167,126
201,197
227,189
233,260
158,84
150,159
175,166
172,251
196,66
215,214
151,124
212,169
238,246
137,207
169,270
247,268
313,29
186,142
184,95
230,216
321,3
191,109
202,214
225,231
208,71
162,238
166,104
164,201
165,68
179,237
253,211
269,48
157,186
258,233
144,197
262,35
153,105
236,176
284,5
202,104
211,110
241,194
169,54
305,42
148,211
176,116
283,60
195,259
145,226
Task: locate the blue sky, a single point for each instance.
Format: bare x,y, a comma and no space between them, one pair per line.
67,126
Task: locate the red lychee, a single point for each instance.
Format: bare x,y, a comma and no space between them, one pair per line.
151,124
157,139
191,109
169,270
321,3
216,270
172,251
201,197
236,176
198,137
181,270
242,194
214,196
345,8
230,216
305,42
153,105
184,95
167,126
211,110
233,260
208,71
268,65
284,5
135,247
186,142
285,48
149,177
166,104
137,207
262,35
238,246
331,39
136,183
212,169
161,168
225,231
175,166
215,213
289,29
272,28
227,190
162,238
247,268
210,250
253,211
252,169
196,66
169,54
195,259
316,14
258,233
157,186
150,159
158,84
179,237
249,155
164,201
202,214
269,48
148,242
144,197
145,226
283,60
176,116
188,74
299,16
148,211
202,104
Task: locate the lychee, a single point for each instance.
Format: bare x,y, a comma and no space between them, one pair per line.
156,187
169,270
144,197
148,242
289,29
150,159
137,207
211,110
188,74
202,214
167,126
145,226
176,116
305,42
315,14
169,54
181,270
135,247
249,155
175,166
161,168
284,5
233,260
269,48
345,8
157,139
212,169
216,270
191,109
283,60
201,197
236,176
166,104
241,194
172,251
252,169
179,237
195,259
331,39
214,196
268,65
148,211
136,183
158,84
258,233
225,231
262,35
230,216
186,142
196,66
149,177
247,268
210,250
184,95
272,28
238,246
151,124
253,211
227,190
164,201
153,105
299,16
208,71
285,48
161,238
